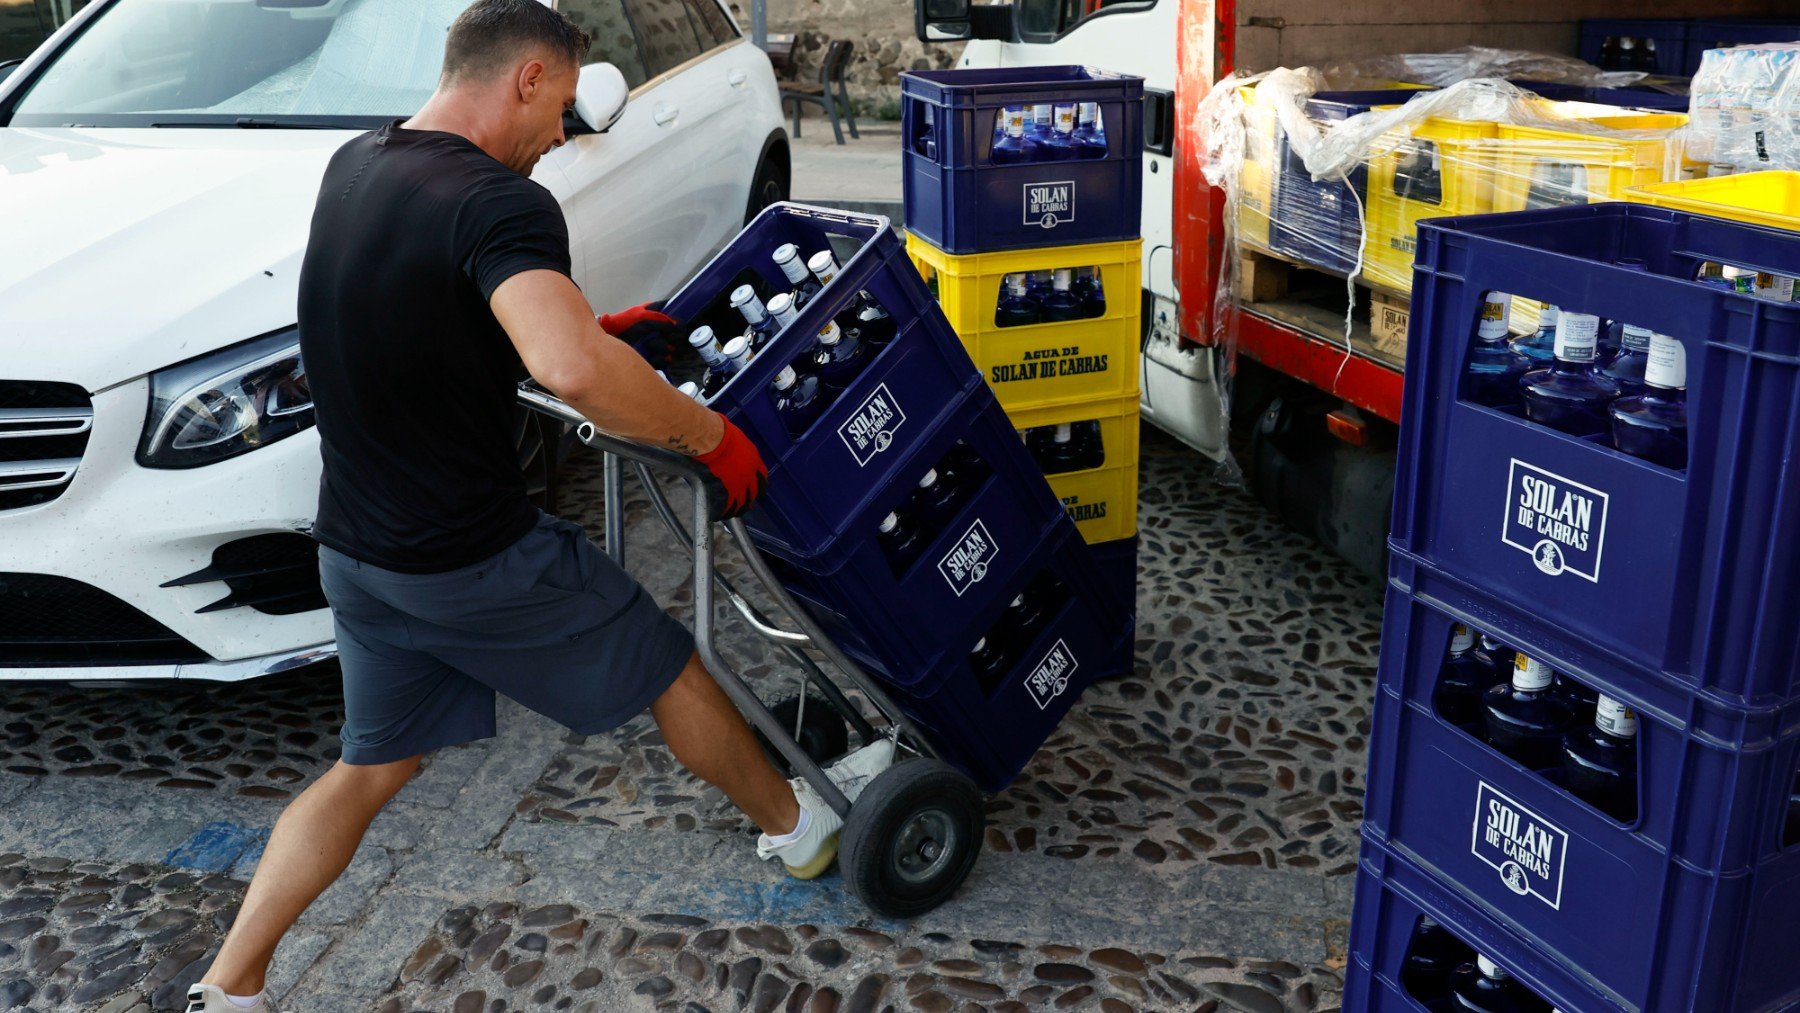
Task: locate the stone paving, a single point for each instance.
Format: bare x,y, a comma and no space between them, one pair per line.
1197,818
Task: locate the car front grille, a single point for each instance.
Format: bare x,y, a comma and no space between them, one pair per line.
49,620
44,430
276,574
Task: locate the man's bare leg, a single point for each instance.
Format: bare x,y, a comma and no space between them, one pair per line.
711,738
309,848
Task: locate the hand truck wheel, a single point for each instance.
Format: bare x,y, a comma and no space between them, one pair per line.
823,734
912,837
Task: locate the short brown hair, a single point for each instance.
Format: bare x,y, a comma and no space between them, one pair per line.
491,34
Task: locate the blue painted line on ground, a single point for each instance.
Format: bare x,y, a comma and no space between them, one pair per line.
216,846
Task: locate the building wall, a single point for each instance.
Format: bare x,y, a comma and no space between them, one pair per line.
882,31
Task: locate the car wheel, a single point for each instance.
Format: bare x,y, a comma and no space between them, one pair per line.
769,187
537,437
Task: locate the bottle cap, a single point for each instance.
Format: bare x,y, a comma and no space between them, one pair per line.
1496,317
829,334
1614,718
1666,366
1530,673
1017,602
785,379
781,305
785,253
701,336
1064,432
890,522
738,349
1015,283
665,376
1577,335
822,264
928,478
1489,643
691,389
1489,969
1461,639
742,294
1733,272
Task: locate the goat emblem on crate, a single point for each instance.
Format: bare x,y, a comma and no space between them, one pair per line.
1560,522
967,562
1050,204
1047,680
870,430
1525,849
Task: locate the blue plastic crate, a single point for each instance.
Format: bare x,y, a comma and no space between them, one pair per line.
1321,223
1724,33
904,623
1118,563
960,202
1692,574
1689,903
822,478
991,732
1671,35
1626,98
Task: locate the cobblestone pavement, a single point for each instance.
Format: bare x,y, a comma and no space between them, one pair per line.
1196,818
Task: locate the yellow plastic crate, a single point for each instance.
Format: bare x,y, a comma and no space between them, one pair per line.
1761,198
1062,363
1456,149
1256,179
1532,166
1101,501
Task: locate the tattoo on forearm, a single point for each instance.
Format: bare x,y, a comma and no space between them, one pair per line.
679,443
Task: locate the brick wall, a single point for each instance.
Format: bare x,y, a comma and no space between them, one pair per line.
881,29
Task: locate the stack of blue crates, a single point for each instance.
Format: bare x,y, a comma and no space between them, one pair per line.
1682,42
1675,592
917,405
1321,222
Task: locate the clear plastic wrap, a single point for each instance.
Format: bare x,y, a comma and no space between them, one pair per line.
1746,108
1441,70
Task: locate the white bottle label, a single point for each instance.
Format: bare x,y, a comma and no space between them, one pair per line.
1065,119
1496,317
1614,718
1774,287
1577,335
1635,338
789,260
1462,641
1531,674
1547,315
1666,366
1015,123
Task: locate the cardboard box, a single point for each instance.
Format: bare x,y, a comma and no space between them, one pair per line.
1388,318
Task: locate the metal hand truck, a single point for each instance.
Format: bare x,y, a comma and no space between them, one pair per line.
912,834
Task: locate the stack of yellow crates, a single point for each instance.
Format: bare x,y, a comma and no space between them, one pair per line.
1081,372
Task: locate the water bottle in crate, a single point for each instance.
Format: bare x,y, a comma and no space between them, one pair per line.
1647,859
979,175
1691,574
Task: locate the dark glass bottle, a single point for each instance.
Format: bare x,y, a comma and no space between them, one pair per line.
900,540
1495,659
1580,700
963,468
782,310
1014,147
1540,345
798,399
1025,617
1599,761
935,501
837,358
1627,367
1609,54
1090,449
1059,143
1090,139
1016,309
1653,425
805,286
1037,285
1055,448
1525,718
1494,368
1093,296
1061,302
1570,395
877,327
1430,958
721,365
760,326
1460,683
989,659
1486,987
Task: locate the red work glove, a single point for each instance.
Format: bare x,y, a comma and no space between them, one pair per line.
647,329
738,472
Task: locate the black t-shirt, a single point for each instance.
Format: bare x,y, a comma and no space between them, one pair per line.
414,380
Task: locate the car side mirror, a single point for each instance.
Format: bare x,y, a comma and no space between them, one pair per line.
600,97
961,20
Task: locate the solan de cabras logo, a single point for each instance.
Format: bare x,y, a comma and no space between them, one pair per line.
1560,522
1050,204
871,430
968,561
1050,677
1525,849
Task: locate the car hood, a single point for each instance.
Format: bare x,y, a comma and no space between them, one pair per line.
126,250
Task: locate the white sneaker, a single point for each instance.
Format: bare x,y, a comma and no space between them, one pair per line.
211,999
809,854
853,771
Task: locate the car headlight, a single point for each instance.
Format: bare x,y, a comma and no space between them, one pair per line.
227,403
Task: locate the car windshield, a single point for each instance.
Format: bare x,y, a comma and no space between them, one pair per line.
244,63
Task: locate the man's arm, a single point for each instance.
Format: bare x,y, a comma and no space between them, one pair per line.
600,376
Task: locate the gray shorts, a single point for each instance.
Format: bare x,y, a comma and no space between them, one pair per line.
550,621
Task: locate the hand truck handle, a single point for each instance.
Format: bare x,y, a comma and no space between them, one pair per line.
542,400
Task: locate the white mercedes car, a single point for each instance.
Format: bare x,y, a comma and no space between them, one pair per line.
159,161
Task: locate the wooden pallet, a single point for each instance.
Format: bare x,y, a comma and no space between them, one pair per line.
1313,300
